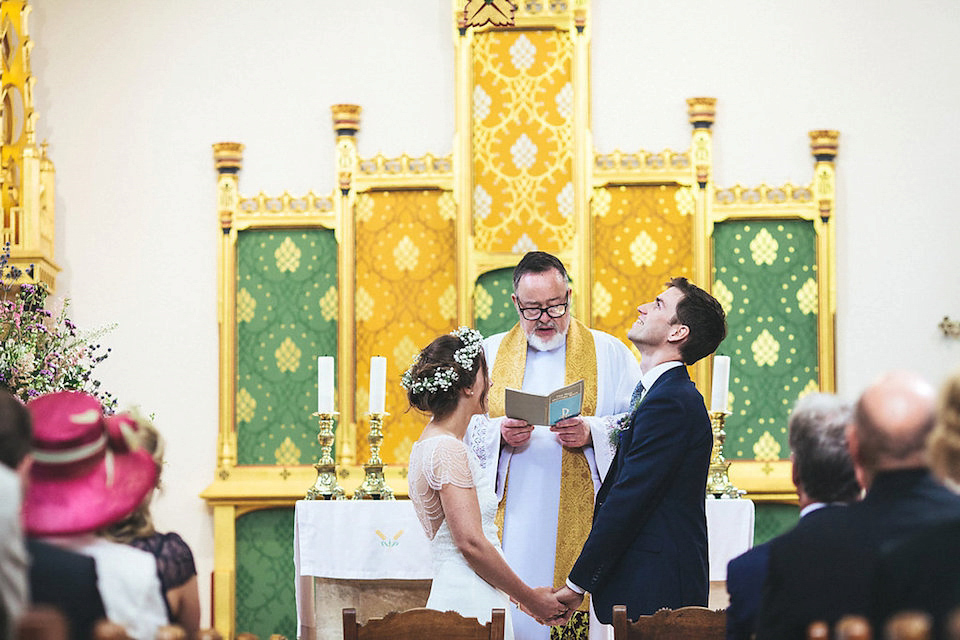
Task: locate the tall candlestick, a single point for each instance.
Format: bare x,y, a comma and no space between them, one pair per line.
378,384
721,384
325,385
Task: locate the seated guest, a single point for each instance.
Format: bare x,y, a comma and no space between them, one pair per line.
87,474
824,477
13,555
63,579
175,566
823,568
924,572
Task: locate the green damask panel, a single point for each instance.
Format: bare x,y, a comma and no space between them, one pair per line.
492,306
773,519
266,600
765,275
286,318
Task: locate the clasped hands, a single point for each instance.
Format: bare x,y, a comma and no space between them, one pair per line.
552,606
571,432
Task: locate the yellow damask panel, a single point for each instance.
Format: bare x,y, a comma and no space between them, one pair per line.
643,236
523,101
405,297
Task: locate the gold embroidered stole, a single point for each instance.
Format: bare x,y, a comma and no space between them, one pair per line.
576,484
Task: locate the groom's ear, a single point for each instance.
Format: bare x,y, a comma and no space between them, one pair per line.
679,333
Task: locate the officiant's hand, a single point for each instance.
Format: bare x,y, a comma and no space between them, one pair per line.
515,432
572,432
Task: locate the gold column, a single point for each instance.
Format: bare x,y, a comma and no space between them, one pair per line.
224,569
701,113
346,123
462,167
582,164
823,146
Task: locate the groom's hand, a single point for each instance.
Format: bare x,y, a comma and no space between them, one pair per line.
567,596
572,432
515,432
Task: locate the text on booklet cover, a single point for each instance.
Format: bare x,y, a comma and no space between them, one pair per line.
565,402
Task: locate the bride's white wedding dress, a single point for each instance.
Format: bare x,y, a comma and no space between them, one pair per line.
446,460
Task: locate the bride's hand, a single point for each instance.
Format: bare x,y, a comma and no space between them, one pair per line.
544,606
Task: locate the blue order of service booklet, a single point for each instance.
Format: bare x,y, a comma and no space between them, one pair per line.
565,402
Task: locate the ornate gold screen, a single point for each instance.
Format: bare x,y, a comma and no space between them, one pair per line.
418,246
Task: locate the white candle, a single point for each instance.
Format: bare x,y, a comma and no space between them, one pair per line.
325,384
721,383
378,384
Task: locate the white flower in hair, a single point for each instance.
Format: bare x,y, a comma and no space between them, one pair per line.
443,379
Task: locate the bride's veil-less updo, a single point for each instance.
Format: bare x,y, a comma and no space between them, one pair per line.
433,363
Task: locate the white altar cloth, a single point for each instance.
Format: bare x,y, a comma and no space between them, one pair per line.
381,540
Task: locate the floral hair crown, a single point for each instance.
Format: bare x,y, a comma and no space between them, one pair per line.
443,379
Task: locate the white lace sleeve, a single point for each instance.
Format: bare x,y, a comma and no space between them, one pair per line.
436,462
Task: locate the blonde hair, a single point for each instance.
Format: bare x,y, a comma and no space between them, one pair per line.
139,524
944,443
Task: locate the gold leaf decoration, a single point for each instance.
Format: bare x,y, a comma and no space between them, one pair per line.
405,254
246,306
812,387
643,250
447,206
287,454
766,349
766,448
807,298
600,206
405,351
330,304
763,248
364,207
246,406
523,245
723,295
686,203
482,302
448,303
287,255
288,355
364,305
602,299
500,13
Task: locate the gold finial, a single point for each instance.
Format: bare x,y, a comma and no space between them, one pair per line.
228,157
346,119
701,112
823,144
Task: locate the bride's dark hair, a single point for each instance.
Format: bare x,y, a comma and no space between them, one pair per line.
435,363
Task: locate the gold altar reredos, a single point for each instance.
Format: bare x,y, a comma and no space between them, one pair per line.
415,238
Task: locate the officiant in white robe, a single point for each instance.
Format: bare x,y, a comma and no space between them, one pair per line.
542,483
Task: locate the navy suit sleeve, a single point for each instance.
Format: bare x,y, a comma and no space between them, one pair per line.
655,451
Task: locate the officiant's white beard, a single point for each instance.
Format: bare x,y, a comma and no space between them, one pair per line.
538,343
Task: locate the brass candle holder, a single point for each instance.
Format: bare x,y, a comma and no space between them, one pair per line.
326,487
718,480
374,486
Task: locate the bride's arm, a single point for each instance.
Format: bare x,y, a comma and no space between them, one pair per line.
462,513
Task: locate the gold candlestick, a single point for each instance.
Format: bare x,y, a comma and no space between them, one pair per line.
718,480
374,486
326,487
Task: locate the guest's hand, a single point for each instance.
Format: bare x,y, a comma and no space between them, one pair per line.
572,432
544,606
515,432
569,598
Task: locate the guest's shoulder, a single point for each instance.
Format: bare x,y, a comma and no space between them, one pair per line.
757,556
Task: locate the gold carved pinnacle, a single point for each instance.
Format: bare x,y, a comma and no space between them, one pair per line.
228,156
701,111
823,144
346,119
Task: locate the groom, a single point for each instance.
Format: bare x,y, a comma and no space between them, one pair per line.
647,548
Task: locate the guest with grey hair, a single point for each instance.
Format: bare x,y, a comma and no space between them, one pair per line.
824,477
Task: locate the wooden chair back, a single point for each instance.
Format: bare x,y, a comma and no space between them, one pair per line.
909,625
690,623
818,630
423,624
41,622
209,634
106,630
852,627
170,632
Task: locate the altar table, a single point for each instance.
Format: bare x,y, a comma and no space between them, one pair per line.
341,541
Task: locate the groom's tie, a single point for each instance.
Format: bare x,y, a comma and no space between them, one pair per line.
635,398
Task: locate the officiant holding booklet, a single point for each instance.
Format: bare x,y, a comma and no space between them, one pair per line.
549,474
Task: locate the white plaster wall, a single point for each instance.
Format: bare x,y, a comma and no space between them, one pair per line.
131,94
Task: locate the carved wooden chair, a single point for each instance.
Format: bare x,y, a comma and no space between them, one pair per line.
107,630
41,622
423,624
690,623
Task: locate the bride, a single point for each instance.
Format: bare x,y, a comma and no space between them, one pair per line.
455,504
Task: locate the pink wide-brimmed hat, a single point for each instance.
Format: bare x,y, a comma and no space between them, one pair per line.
87,471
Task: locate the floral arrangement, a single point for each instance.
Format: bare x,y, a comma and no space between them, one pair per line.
42,351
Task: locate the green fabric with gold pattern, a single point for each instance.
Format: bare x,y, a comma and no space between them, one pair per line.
265,575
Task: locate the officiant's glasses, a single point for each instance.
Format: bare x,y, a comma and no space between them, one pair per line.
535,313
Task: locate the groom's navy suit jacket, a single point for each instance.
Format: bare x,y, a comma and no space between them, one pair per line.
648,545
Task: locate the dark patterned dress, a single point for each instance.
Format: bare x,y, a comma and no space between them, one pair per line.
174,560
